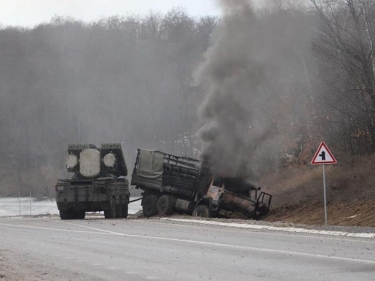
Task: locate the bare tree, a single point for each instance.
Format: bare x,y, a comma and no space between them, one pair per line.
346,48
278,5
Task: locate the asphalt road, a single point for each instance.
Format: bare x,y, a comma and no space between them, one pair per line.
154,249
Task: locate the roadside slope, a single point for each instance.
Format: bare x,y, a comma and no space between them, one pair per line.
339,213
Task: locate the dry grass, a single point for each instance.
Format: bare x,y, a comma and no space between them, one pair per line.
361,214
345,183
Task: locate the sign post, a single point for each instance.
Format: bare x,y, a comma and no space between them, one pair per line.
324,156
325,195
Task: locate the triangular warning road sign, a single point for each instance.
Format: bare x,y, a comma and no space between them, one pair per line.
323,156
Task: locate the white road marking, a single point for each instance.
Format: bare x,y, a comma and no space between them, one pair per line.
260,232
266,250
97,229
228,245
286,229
54,229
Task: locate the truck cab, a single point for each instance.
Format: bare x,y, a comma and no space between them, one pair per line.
227,195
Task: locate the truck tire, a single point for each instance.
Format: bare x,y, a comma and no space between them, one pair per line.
111,212
122,208
66,215
149,205
80,215
201,211
260,212
125,207
165,205
119,208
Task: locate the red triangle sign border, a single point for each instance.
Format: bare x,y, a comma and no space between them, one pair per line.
317,162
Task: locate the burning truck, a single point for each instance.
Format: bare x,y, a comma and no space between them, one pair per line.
175,183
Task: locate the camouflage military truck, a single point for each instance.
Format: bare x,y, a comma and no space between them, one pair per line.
173,183
98,184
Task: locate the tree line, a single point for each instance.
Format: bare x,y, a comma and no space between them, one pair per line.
130,80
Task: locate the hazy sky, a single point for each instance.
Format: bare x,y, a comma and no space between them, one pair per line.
31,12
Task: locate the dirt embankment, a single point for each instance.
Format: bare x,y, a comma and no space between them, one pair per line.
298,194
312,213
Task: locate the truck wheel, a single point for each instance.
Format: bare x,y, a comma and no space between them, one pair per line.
165,205
149,205
80,215
201,211
111,212
260,212
66,215
119,209
122,208
125,208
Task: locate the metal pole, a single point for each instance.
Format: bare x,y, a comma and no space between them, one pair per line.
325,196
19,203
30,202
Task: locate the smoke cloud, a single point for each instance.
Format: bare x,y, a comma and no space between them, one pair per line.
243,74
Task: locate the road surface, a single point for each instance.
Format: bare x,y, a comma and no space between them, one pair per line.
157,249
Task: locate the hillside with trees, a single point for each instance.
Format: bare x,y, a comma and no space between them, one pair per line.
133,80
117,80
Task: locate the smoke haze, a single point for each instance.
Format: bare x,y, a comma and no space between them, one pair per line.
245,74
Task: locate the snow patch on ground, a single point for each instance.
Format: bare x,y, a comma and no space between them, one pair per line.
275,228
21,206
